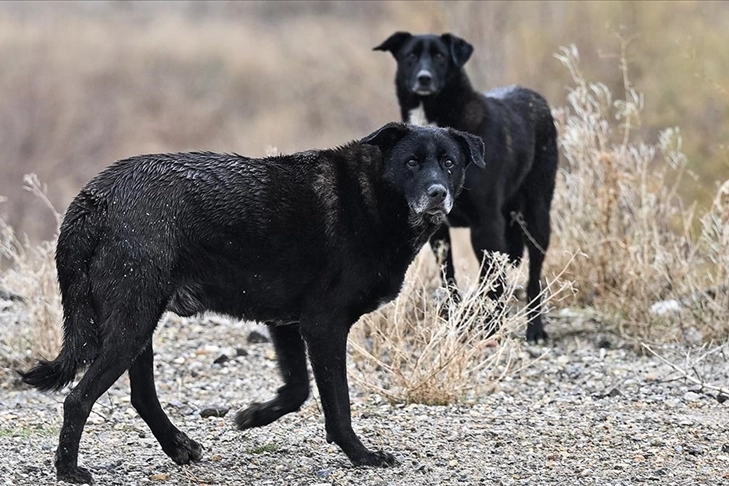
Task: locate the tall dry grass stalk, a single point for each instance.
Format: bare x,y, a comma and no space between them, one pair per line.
617,210
29,272
426,348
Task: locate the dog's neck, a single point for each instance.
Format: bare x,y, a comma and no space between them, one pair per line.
445,108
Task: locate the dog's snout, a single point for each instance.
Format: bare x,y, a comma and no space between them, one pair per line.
425,78
437,193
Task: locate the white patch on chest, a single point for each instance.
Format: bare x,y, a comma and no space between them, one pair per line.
417,116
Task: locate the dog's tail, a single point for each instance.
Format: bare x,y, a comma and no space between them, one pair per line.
76,244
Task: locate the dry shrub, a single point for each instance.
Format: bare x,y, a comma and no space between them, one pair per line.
29,274
426,348
617,209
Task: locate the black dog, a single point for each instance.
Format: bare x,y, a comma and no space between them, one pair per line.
306,243
507,204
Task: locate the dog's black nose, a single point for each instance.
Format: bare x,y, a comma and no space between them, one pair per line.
437,193
425,79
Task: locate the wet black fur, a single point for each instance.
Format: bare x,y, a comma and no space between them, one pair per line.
306,243
507,204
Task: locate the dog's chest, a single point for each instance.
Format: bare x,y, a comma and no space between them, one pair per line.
417,116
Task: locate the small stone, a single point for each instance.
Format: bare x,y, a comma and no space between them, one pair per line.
323,473
160,477
691,396
694,450
241,352
452,463
256,337
221,359
214,412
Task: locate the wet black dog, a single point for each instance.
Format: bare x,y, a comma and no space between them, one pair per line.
306,243
507,204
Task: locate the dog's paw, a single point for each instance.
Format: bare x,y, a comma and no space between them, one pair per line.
536,334
184,450
75,475
375,459
250,417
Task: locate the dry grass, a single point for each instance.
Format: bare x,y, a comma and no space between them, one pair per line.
426,348
30,273
617,208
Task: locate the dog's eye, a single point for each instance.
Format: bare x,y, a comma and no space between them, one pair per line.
412,163
411,56
439,55
448,164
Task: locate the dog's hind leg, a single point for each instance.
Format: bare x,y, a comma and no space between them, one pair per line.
538,230
291,354
175,443
537,190
117,352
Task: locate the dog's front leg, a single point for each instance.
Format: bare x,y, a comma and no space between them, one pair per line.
440,243
326,341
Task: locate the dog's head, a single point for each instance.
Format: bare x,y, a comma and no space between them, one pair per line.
426,164
425,62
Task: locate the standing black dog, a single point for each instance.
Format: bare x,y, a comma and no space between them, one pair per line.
507,204
306,243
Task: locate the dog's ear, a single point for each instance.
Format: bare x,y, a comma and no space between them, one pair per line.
387,136
394,42
472,145
460,50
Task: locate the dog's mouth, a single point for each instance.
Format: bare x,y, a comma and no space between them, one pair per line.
423,90
435,213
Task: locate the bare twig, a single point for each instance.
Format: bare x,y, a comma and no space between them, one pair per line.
686,375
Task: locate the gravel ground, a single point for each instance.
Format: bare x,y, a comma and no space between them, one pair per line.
591,411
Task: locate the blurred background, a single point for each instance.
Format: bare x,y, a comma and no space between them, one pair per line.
86,83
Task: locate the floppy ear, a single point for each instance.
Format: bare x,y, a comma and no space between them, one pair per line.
472,145
386,136
460,50
394,42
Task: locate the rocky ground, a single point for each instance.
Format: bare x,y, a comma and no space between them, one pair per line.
591,411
